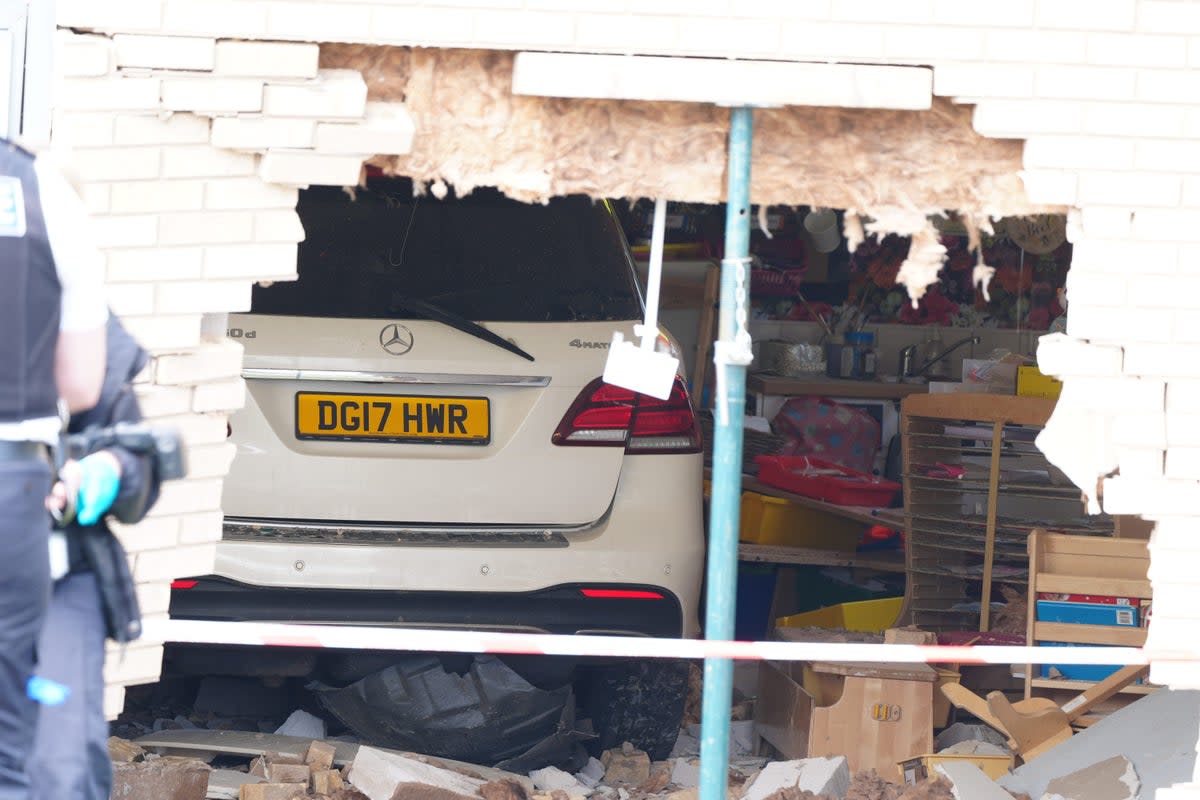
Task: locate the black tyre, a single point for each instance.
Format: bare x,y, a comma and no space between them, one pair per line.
640,702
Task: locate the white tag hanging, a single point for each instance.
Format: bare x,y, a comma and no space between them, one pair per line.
642,368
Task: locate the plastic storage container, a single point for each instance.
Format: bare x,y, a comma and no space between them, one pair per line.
825,480
918,768
775,521
867,616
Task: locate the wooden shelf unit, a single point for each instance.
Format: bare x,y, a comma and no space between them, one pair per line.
965,534
1064,564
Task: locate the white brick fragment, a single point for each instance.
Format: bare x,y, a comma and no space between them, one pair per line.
234,193
160,565
178,128
154,264
319,22
1183,395
221,396
125,15
165,334
1059,354
1142,429
214,17
1129,189
204,296
1183,462
1078,152
1119,325
82,129
140,196
139,230
260,133
387,130
1168,156
209,362
161,401
204,227
1009,118
273,261
304,168
205,526
1116,15
203,161
130,298
164,52
212,95
82,56
334,93
115,163
1165,360
267,59
116,93
1140,462
983,80
1149,497
278,226
1052,187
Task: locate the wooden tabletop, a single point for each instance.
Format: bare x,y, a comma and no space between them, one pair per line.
765,383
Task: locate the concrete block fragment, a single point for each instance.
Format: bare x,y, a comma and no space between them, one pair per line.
968,782
1111,779
821,776
167,778
376,773
685,773
625,764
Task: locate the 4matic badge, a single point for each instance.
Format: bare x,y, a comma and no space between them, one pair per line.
395,339
589,345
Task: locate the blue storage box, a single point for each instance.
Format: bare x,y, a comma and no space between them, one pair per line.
1078,672
1087,613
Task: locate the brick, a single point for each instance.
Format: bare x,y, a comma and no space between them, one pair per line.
1177,675
114,701
1183,462
130,298
1018,13
1136,50
327,781
182,497
1140,462
82,129
1107,223
1163,291
278,226
204,161
1165,16
164,52
246,193
832,40
162,401
276,261
177,128
221,396
609,31
212,460
319,22
279,772
115,163
387,130
116,93
1183,396
267,59
1092,289
208,94
214,17
1182,429
154,598
260,133
1129,189
204,227
273,791
932,44
82,56
671,7
160,334
1168,86
320,755
152,533
1168,156
304,168
96,197
1059,354
204,296
697,35
1115,15
140,664
1134,119
203,527
1160,258
1148,497
126,15
210,362
334,93
198,429
1121,394
426,26
983,80
1008,118
1191,191
1164,225
712,80
1167,360
195,559
127,231
915,11
1085,83
159,263
139,196
1052,47
1194,52
1050,187
1140,430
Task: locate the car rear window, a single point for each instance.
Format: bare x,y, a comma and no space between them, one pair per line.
483,256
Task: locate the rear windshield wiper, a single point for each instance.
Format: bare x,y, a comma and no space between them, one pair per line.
456,321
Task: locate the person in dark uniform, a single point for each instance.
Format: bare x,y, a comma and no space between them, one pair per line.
52,317
95,599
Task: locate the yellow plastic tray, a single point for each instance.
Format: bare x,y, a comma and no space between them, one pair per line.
868,616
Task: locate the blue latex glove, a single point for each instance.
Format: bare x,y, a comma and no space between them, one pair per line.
46,691
98,484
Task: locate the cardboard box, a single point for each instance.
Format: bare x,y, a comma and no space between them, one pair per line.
1032,383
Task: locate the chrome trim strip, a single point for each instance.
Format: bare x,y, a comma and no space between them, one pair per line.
409,378
333,533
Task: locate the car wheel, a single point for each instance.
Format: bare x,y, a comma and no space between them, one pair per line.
640,702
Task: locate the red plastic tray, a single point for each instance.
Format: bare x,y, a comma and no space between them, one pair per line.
825,480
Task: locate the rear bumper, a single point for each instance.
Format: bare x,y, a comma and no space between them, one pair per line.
560,609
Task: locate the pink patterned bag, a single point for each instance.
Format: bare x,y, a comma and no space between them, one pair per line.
818,426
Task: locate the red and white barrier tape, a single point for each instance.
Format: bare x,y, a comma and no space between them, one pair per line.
351,637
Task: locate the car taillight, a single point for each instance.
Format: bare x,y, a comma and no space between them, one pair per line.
183,583
607,415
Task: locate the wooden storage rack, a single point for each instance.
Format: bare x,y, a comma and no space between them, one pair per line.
964,534
1066,564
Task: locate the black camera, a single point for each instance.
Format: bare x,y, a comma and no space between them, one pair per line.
163,444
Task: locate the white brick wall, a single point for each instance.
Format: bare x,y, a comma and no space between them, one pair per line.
191,210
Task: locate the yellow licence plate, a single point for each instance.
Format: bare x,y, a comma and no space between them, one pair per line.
392,418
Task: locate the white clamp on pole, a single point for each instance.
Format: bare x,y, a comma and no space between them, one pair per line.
738,351
643,369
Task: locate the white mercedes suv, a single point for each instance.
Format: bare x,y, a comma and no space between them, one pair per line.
426,442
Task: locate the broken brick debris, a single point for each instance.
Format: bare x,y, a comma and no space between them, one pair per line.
325,781
123,751
828,776
320,755
378,773
289,773
274,791
625,764
969,782
165,778
1111,779
503,790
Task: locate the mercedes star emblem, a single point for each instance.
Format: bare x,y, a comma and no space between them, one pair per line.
396,339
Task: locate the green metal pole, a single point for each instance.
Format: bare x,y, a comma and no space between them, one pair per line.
725,503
